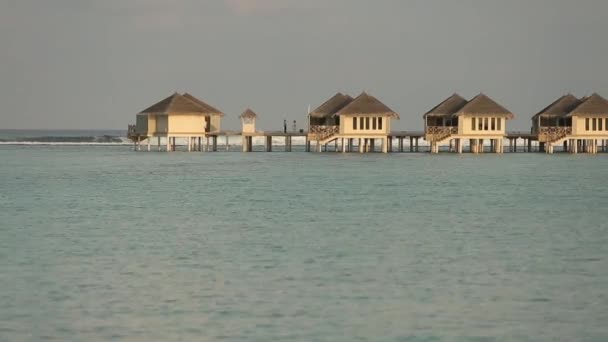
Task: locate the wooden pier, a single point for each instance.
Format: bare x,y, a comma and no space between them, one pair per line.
398,142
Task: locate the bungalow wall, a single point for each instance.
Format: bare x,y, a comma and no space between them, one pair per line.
481,125
187,124
590,126
365,125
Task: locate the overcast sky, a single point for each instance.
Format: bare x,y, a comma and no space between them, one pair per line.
95,64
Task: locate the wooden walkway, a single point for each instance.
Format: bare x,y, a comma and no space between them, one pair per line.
530,142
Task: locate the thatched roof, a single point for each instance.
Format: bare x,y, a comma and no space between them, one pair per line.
174,104
209,109
448,107
559,107
483,105
593,105
331,106
365,104
248,113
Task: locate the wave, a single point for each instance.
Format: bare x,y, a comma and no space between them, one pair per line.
66,140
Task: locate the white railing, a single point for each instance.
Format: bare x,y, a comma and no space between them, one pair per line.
323,132
553,133
438,133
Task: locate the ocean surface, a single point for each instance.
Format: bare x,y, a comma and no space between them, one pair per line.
100,243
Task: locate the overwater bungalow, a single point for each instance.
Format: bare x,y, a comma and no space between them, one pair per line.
177,116
456,120
342,119
578,124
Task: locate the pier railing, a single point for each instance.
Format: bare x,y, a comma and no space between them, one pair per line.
553,133
438,133
323,132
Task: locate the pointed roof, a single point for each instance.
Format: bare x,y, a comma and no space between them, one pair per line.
175,103
593,105
559,107
248,113
366,104
331,106
483,105
448,107
209,109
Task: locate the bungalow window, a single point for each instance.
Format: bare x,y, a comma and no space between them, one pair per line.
361,123
354,124
374,123
480,124
473,124
367,122
586,124
485,124
600,124
493,124
594,124
499,124
379,123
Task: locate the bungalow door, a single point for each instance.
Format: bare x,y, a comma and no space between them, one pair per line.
207,124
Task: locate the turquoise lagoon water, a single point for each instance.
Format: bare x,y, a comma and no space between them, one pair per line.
101,243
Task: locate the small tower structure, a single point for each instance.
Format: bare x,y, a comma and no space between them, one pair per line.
248,131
